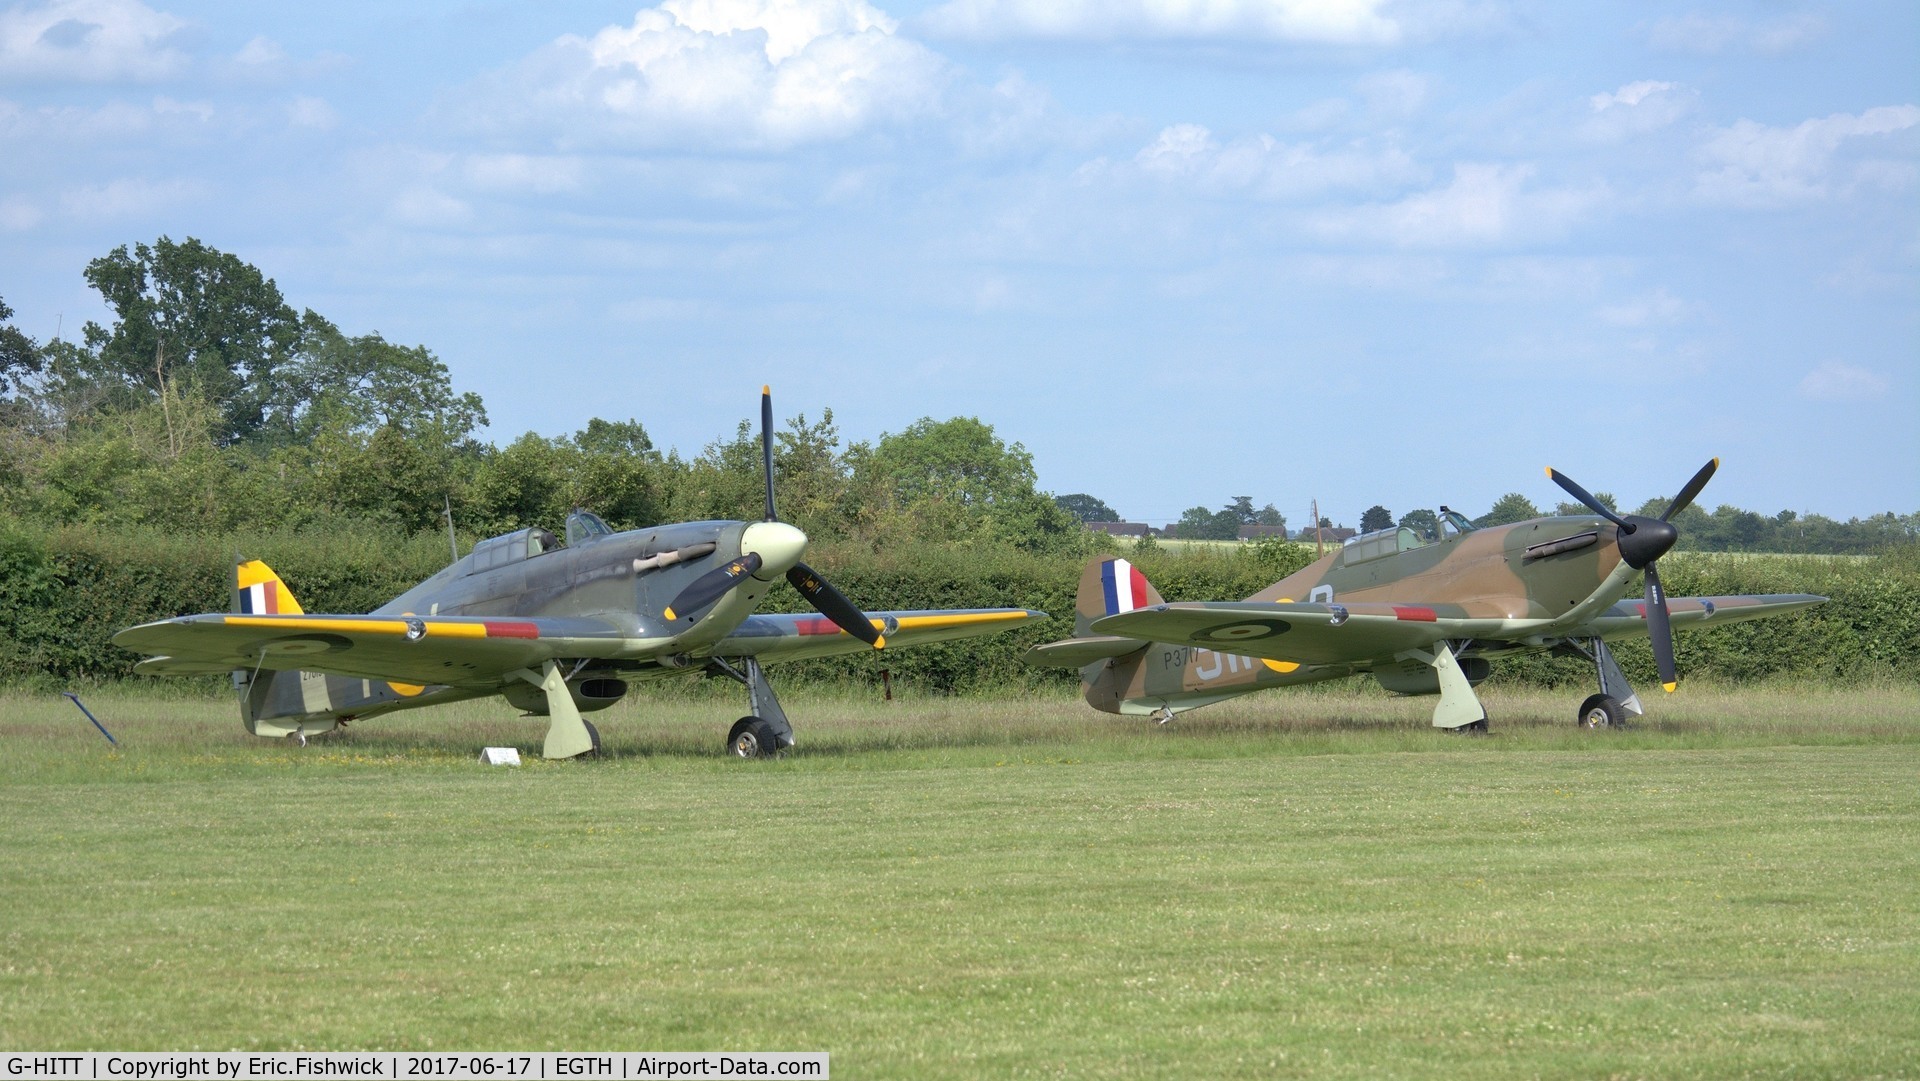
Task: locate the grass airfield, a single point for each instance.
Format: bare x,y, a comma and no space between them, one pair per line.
1310,884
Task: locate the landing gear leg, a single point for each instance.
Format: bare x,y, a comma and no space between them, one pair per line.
1459,709
766,731
568,735
1609,708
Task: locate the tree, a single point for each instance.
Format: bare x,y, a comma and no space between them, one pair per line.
1376,517
1567,510
366,383
1199,523
1270,516
1512,507
616,438
189,316
956,478
19,356
1422,521
1086,507
1241,511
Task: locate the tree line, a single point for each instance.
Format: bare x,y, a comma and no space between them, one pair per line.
208,404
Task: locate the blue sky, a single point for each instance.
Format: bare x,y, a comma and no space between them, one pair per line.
1353,250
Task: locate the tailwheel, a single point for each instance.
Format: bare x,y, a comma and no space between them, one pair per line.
752,737
1601,711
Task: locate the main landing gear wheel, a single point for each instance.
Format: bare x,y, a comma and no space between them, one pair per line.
593,734
752,737
1601,711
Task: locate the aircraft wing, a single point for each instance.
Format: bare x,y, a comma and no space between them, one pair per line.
1302,633
1629,617
784,637
451,650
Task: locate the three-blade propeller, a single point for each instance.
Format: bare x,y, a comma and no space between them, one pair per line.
1642,542
828,601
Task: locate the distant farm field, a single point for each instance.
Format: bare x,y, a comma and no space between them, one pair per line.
1314,884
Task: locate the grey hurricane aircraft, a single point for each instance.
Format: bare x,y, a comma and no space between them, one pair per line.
556,629
1422,614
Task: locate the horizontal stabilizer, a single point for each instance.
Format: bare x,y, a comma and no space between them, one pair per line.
1080,652
182,666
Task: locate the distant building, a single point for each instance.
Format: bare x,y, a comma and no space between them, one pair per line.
1333,534
1121,529
1262,532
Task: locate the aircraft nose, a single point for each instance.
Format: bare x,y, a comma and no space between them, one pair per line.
1650,539
778,544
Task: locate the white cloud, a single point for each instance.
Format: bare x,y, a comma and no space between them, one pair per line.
260,52
1331,22
1707,34
524,173
17,214
88,41
1396,93
1263,167
1637,108
1657,307
1837,381
428,207
1484,205
127,198
1755,165
727,73
664,310
1342,22
314,113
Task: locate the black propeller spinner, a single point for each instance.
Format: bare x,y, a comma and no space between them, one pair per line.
1642,542
825,599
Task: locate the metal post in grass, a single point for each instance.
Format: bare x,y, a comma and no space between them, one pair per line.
886,682
91,717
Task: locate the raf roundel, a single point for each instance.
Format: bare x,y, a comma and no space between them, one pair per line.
1241,632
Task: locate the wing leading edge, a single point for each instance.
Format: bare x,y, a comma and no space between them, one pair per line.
451,650
783,637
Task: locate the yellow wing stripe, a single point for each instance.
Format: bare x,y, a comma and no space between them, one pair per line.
359,626
908,623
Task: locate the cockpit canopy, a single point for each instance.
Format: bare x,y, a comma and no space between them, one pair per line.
1403,538
511,548
583,526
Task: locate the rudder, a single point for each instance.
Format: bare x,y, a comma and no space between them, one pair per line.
1108,586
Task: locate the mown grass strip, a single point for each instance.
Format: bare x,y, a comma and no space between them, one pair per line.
1306,885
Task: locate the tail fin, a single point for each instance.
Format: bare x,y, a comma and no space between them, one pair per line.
259,591
1110,585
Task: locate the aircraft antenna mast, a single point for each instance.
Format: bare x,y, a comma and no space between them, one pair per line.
446,501
1319,535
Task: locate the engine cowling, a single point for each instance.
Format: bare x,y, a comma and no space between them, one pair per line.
588,695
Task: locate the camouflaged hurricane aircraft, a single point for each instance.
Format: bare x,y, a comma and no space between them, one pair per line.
555,629
1423,614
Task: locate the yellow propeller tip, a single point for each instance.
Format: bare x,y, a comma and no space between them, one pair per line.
880,642
1549,472
1669,686
766,388
670,616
